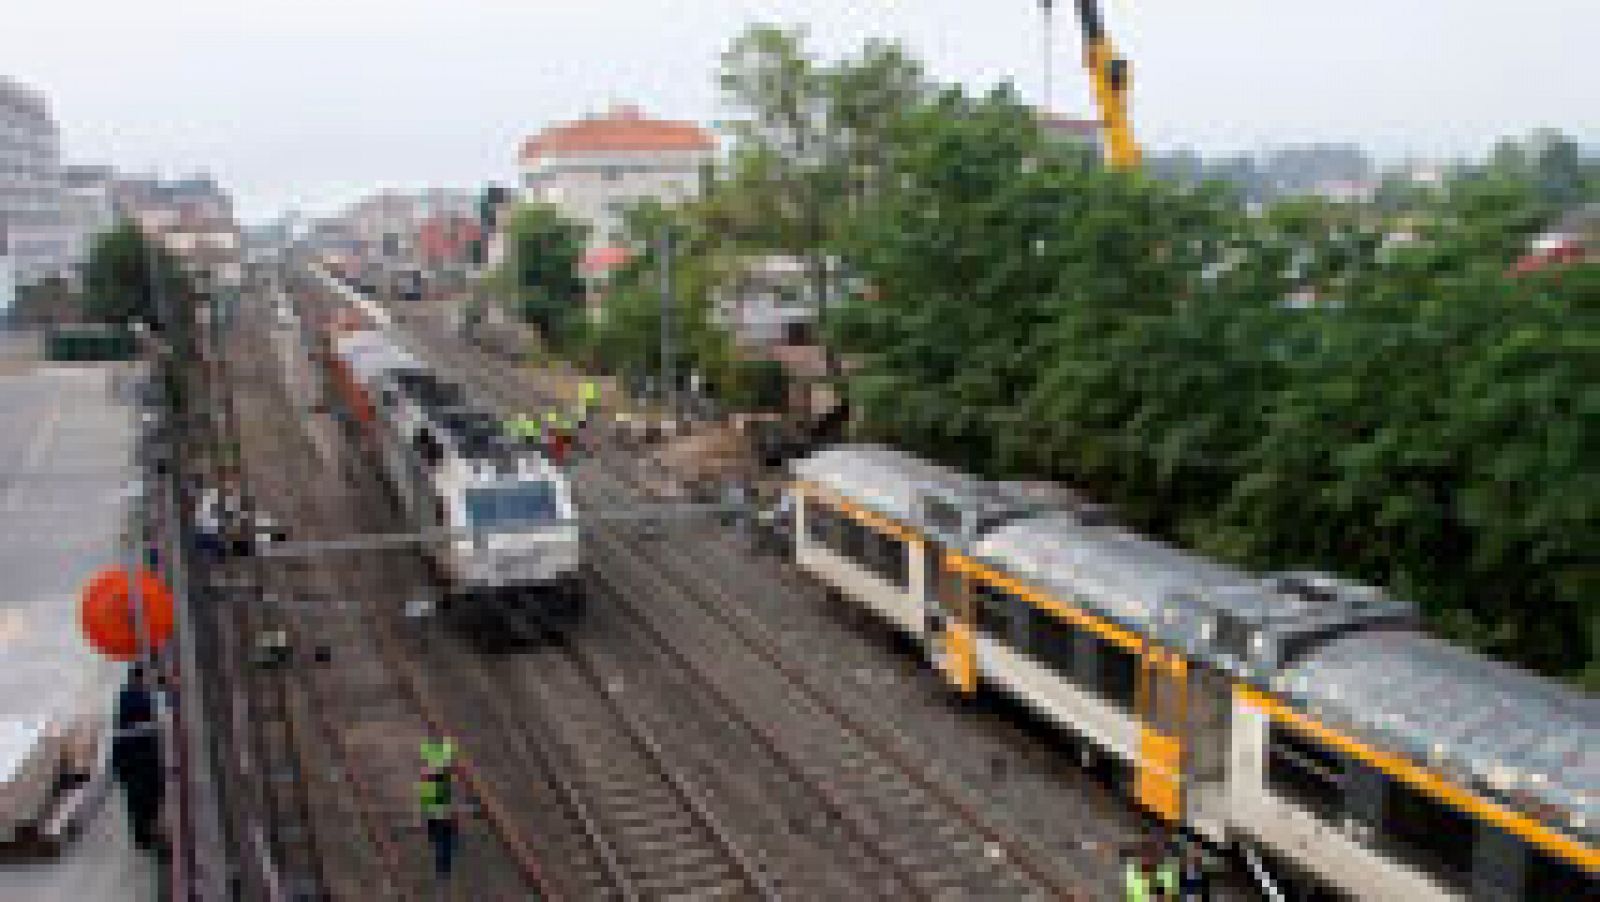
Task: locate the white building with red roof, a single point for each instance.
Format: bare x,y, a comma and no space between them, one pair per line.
599,166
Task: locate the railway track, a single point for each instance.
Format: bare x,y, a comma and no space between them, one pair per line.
667,840
275,824
363,696
642,831
934,841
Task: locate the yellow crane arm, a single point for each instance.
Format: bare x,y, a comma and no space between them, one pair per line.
1111,79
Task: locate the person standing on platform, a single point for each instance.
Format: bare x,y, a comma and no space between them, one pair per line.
136,758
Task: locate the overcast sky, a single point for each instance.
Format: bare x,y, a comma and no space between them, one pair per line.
313,102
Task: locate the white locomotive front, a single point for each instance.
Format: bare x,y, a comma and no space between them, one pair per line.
507,547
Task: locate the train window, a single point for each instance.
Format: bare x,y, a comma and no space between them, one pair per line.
1304,771
1549,877
854,535
509,507
822,524
994,609
1428,833
1052,641
884,555
1117,676
429,449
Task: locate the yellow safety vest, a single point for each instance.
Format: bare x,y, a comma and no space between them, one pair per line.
433,797
440,754
1135,883
1167,878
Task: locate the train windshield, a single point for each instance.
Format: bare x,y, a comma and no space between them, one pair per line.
511,507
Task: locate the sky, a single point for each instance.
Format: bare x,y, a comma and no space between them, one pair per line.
312,103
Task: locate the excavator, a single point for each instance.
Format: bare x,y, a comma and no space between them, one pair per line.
1109,77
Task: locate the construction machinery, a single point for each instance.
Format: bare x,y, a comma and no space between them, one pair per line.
1110,78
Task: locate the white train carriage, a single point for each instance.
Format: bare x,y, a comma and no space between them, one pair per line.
516,535
1401,767
1208,687
871,522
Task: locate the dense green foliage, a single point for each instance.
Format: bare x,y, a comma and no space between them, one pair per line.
127,278
627,339
1363,389
1419,419
541,272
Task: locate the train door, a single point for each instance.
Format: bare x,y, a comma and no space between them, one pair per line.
947,621
1162,701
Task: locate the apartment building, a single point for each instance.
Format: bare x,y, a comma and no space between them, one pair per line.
597,167
192,218
30,185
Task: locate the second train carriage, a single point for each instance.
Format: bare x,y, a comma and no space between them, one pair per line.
1298,716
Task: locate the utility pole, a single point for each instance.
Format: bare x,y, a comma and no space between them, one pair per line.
669,391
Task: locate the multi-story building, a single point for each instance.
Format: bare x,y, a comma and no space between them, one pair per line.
193,219
30,184
88,208
596,168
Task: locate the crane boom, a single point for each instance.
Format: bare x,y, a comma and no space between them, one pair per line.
1110,78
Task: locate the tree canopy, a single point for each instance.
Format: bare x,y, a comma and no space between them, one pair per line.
128,278
1293,389
1361,388
544,250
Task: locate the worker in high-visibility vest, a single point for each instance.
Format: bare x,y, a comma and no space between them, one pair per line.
1138,883
588,400
435,801
523,427
438,752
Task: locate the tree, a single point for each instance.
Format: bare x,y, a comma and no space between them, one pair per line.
541,271
815,142
128,278
627,339
1428,425
996,249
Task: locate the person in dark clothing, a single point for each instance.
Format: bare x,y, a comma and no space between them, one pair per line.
1194,884
136,758
434,793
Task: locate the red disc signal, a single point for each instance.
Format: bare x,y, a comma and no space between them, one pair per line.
109,622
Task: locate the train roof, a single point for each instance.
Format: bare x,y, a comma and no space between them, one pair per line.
1232,620
477,435
1529,741
944,503
369,354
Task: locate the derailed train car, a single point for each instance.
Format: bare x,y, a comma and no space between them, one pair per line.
513,539
1300,719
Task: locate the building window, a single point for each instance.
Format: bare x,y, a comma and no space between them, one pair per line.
611,173
1304,772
